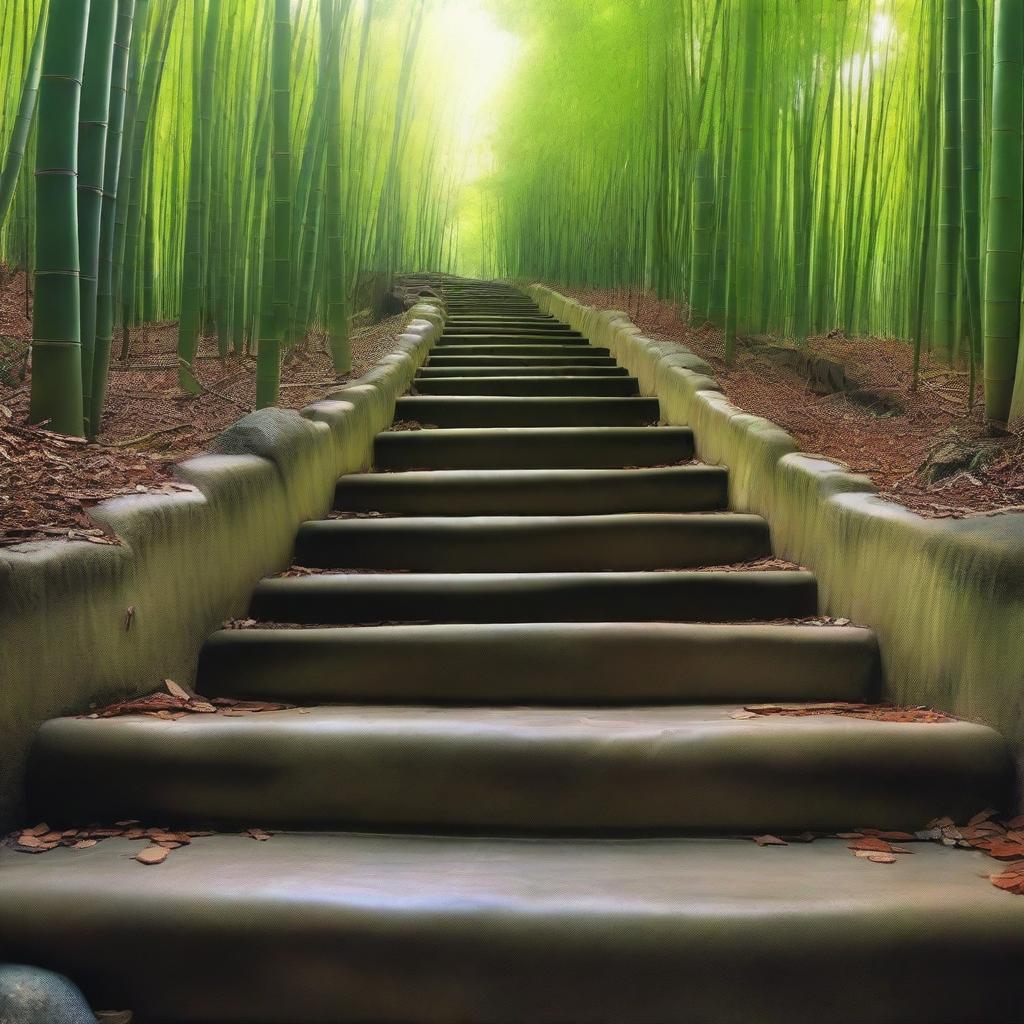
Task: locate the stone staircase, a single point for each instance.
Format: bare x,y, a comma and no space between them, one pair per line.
518,785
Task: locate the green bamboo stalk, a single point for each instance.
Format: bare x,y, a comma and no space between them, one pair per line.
268,370
1005,212
703,231
92,152
97,389
948,268
26,111
336,296
970,133
56,327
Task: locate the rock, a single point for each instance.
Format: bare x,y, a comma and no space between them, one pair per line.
954,454
30,995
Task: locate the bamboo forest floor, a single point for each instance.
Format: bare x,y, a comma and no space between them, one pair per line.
48,482
929,453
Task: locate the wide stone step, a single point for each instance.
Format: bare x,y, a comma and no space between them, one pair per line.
303,928
533,448
481,492
483,362
527,340
496,320
600,543
317,929
519,348
517,769
524,385
506,411
683,596
529,372
543,663
455,335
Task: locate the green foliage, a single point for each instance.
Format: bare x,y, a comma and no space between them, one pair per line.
290,133
798,142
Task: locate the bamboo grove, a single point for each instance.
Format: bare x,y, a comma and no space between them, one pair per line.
779,166
241,166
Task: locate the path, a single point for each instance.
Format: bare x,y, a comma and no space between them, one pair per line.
525,755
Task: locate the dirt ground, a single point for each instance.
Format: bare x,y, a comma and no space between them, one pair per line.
48,482
898,448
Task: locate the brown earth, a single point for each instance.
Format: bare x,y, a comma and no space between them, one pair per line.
48,482
897,449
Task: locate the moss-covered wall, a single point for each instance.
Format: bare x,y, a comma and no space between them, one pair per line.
186,562
946,597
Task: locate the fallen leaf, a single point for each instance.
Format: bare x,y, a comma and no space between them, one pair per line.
893,837
744,714
257,834
177,690
152,855
1003,850
84,844
1010,881
981,816
876,858
870,844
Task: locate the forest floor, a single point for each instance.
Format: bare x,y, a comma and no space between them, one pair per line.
48,482
923,449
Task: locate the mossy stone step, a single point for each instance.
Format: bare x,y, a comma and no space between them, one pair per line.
584,358
518,348
498,338
515,330
430,929
610,543
535,491
559,385
672,768
671,596
583,370
533,448
503,411
542,663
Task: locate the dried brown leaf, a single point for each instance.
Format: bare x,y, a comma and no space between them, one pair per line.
769,840
152,855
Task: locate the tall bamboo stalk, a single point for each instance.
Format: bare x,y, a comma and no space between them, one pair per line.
56,324
23,123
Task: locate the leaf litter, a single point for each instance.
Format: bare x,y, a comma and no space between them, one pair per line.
1002,840
846,709
176,702
161,841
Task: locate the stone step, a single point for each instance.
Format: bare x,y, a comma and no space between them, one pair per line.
505,411
309,929
543,663
533,448
680,596
582,370
569,361
557,385
482,492
518,348
497,320
590,543
553,330
646,768
520,930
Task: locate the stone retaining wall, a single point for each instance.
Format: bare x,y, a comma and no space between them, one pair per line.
83,623
946,597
